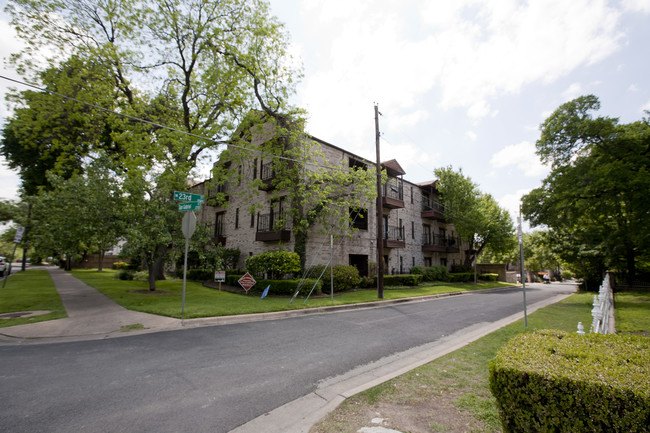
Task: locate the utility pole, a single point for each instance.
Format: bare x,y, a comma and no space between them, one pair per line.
521,262
380,215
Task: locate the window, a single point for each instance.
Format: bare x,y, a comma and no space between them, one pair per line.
252,220
412,229
353,163
254,170
411,195
359,218
237,218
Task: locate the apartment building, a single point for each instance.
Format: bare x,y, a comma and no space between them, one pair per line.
253,219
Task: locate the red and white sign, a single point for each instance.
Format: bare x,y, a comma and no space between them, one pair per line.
247,281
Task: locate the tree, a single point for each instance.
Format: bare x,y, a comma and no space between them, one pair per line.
60,229
477,217
595,198
191,69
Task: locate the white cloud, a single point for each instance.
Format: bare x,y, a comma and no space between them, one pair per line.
646,107
637,5
511,203
573,91
471,135
522,156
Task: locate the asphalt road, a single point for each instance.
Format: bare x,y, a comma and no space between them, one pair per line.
213,379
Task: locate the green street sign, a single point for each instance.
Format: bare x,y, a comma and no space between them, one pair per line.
182,207
186,196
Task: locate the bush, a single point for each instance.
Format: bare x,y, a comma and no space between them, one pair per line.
275,264
461,277
436,273
125,275
120,265
418,270
567,275
402,280
141,275
200,275
279,287
554,381
489,277
346,277
460,269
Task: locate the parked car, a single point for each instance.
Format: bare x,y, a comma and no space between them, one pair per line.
3,266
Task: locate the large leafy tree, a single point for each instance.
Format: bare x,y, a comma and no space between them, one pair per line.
191,68
477,217
595,198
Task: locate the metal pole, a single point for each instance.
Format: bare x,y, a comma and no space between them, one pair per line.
521,260
332,267
380,215
187,242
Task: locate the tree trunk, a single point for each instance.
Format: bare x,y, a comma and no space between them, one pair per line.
100,266
152,275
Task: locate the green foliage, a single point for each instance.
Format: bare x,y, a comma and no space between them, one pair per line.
288,287
488,277
431,273
346,277
275,264
554,381
594,199
125,275
200,275
476,216
402,280
120,265
460,277
567,275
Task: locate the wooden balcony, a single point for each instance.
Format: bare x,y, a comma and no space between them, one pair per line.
271,228
432,210
394,237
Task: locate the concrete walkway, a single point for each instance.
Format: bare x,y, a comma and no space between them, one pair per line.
91,315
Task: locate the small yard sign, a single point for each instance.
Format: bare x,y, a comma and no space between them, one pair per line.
247,281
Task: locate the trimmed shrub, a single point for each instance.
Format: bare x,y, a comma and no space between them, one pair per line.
436,273
120,265
460,277
286,287
489,277
346,277
418,270
402,280
567,275
554,381
125,275
275,264
200,275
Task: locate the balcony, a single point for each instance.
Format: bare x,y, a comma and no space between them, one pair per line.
393,196
218,191
218,233
434,243
432,209
394,237
271,227
267,176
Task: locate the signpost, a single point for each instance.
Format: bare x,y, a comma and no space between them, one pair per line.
188,226
20,231
247,281
191,202
219,277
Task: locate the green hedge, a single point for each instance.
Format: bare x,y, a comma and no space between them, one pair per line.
559,382
431,273
346,277
401,280
278,287
488,277
460,277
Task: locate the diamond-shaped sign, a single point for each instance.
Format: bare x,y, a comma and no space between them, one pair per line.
247,281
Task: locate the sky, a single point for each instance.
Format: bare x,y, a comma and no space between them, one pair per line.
463,83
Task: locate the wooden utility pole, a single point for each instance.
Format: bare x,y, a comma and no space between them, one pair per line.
380,215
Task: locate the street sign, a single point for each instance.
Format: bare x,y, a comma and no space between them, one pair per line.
189,224
19,235
186,196
247,281
182,207
219,276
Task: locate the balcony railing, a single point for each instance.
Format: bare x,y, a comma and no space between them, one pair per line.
394,237
272,227
432,209
393,195
432,242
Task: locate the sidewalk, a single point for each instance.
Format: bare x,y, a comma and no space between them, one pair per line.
91,315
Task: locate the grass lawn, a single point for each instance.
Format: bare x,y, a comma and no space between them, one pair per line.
31,290
201,301
451,394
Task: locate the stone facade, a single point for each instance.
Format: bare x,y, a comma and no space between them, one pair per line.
415,231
